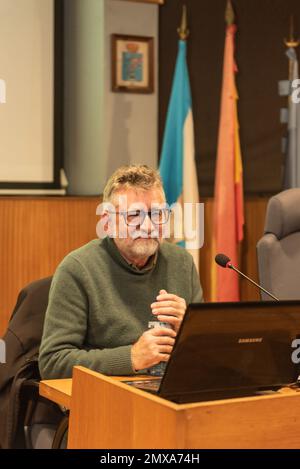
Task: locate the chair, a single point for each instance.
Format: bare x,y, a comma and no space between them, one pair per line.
278,251
27,420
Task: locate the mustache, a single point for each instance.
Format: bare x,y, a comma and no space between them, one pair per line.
145,235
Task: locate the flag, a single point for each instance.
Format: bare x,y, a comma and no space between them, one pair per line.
177,163
228,200
292,160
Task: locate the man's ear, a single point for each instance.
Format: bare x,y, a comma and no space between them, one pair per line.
110,224
104,218
106,226
102,227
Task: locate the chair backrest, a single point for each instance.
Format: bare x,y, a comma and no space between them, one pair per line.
278,251
22,340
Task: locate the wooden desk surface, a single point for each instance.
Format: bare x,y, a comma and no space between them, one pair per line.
60,390
57,390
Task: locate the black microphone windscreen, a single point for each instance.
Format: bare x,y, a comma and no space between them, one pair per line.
222,260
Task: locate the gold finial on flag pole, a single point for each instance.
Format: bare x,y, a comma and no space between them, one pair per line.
292,42
229,13
183,32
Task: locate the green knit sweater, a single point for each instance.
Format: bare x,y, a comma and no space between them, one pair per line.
99,305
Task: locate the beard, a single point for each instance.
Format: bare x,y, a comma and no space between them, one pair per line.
143,247
138,248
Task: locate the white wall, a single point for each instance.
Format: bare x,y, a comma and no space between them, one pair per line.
131,120
84,94
104,129
26,90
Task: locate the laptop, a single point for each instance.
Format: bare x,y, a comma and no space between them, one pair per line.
226,350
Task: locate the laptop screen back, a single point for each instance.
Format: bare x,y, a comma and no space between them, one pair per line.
232,349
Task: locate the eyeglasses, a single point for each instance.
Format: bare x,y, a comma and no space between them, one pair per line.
158,216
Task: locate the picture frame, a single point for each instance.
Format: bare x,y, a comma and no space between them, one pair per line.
157,2
132,64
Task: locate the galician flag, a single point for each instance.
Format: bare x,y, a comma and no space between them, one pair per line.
177,164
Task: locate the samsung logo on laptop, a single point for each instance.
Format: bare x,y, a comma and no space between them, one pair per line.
250,340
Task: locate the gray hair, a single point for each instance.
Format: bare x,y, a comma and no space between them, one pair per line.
132,177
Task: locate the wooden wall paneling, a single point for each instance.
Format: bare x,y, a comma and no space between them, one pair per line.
36,233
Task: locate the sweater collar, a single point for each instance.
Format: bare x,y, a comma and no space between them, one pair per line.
115,253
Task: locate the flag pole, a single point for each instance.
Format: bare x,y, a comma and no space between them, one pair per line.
291,44
229,14
183,31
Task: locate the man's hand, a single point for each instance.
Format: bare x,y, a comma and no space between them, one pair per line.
154,346
169,308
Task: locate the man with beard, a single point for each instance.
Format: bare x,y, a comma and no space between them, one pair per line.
104,294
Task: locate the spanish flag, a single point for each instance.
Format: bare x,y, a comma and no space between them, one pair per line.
228,218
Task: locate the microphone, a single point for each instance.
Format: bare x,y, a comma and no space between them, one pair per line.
224,261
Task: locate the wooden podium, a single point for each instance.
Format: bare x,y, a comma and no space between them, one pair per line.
106,413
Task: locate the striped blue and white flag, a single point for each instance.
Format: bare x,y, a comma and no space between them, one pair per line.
177,163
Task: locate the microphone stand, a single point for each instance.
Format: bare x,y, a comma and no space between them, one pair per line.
230,266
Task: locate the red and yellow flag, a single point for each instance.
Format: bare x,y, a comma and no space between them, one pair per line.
228,200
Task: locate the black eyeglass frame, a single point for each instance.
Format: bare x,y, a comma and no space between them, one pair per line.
143,213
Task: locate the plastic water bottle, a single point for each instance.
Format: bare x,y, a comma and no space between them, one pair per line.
159,369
